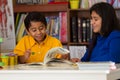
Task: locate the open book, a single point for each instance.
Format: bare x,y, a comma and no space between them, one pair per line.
51,54
50,61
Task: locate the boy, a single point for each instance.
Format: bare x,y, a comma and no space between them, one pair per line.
34,46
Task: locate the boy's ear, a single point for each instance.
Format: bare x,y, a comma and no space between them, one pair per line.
27,31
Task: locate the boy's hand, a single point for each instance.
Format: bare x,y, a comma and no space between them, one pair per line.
65,56
23,59
27,54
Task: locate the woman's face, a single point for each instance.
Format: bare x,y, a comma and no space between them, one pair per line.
38,31
96,22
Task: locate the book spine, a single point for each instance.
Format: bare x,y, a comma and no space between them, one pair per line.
74,29
55,27
79,29
63,27
83,25
88,33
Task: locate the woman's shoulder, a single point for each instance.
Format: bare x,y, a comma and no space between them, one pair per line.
114,34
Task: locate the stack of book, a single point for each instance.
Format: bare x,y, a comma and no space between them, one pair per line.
96,65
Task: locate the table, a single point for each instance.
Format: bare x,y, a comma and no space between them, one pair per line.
59,74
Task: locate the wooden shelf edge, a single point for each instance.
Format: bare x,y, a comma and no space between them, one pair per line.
82,43
86,9
40,8
80,9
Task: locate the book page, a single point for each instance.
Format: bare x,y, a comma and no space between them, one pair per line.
53,52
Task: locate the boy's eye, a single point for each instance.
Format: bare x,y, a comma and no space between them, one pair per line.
41,28
34,30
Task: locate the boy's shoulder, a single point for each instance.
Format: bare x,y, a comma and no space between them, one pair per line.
27,37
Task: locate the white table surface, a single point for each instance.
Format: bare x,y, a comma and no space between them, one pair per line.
46,74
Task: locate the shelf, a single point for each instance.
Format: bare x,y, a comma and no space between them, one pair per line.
80,9
82,43
117,8
41,8
84,9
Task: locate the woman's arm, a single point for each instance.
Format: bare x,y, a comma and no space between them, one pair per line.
115,50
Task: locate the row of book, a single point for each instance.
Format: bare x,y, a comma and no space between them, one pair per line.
56,26
88,3
33,1
39,1
81,30
19,26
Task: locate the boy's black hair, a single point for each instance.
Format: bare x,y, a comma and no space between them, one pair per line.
36,17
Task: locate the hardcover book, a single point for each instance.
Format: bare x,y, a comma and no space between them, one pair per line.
74,29
108,65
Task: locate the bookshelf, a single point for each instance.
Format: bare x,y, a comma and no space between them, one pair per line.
79,13
41,8
47,9
51,9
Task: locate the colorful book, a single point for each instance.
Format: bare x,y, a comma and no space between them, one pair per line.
63,27
21,32
21,20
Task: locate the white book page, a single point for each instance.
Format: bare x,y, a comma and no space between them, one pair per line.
52,52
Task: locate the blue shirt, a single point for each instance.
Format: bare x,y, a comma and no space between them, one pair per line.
106,49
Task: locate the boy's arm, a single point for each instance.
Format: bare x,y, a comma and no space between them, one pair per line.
24,58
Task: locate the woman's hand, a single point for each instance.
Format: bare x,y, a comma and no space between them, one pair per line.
75,60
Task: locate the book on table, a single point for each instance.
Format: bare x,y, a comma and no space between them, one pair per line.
107,65
50,61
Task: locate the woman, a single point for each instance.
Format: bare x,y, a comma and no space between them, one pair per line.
105,43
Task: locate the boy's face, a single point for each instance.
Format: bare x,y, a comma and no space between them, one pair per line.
37,30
